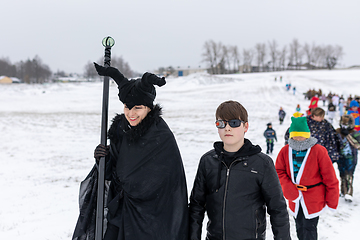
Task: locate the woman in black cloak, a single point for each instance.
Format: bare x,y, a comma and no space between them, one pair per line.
147,194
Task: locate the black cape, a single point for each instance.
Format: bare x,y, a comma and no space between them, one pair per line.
147,197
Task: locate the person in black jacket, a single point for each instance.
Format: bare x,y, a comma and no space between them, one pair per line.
323,131
236,184
147,196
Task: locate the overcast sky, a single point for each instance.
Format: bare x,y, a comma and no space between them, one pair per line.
67,34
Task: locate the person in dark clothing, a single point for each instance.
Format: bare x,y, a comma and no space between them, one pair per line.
236,184
147,195
270,136
350,144
331,111
281,115
323,131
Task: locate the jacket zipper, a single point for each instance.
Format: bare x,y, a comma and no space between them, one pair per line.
257,224
225,194
227,180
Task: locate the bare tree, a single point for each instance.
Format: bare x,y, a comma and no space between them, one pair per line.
117,62
309,52
208,56
122,65
260,55
89,70
226,59
248,57
282,58
317,56
338,52
258,48
295,53
42,71
6,68
235,57
33,71
273,53
212,56
333,54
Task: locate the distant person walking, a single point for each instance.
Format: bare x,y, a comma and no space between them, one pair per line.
335,99
270,136
323,99
341,106
331,112
282,115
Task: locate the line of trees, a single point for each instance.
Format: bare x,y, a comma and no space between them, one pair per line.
29,71
219,58
222,59
35,71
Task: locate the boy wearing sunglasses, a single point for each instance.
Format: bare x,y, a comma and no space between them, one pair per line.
236,185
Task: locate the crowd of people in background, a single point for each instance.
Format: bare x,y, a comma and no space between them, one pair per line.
341,143
330,147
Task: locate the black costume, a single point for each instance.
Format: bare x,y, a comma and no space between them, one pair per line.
147,196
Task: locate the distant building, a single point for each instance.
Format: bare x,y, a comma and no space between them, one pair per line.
70,79
7,80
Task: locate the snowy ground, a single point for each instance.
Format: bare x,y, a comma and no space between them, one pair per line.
49,132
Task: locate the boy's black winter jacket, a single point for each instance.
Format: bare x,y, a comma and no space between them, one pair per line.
236,197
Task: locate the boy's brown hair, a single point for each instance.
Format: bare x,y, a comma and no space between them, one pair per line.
319,112
231,110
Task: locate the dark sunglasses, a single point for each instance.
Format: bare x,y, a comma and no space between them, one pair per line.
232,123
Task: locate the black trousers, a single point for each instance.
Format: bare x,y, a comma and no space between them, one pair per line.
269,147
306,229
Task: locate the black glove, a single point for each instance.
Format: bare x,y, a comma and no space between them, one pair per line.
101,151
112,72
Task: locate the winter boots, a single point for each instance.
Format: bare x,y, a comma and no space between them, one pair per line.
347,187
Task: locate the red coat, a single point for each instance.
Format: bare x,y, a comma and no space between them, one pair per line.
316,167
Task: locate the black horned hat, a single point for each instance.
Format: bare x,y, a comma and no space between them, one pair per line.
140,91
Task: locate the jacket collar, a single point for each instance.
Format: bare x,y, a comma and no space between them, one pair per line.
247,149
302,145
120,126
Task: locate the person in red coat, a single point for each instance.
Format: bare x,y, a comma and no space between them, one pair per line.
307,177
314,102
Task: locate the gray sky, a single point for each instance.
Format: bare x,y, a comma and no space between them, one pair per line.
67,34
